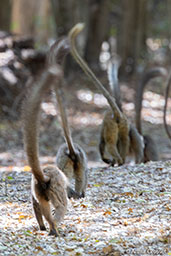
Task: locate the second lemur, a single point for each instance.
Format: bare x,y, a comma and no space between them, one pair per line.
115,132
48,184
70,158
150,146
136,145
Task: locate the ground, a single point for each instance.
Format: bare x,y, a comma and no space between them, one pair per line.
126,210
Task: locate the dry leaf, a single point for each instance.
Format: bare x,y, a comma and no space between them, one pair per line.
27,168
107,213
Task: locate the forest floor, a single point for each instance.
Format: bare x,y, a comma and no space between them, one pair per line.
126,210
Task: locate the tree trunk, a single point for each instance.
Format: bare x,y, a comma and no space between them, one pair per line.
63,13
97,30
66,14
5,15
133,35
32,18
95,15
23,22
43,26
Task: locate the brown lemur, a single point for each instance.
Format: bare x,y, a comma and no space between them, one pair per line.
49,184
150,146
165,105
70,158
115,131
136,140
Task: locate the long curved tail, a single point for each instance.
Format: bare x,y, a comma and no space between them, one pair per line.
31,111
112,71
56,55
31,107
58,50
148,75
72,35
64,119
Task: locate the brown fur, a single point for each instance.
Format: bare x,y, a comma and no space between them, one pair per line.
116,132
114,138
136,144
48,184
70,158
150,146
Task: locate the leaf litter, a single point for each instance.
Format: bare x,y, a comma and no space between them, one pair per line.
126,211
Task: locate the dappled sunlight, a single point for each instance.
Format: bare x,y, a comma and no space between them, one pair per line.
49,108
153,116
154,44
128,106
6,57
104,55
27,53
153,100
89,97
83,119
8,75
79,118
153,105
152,110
